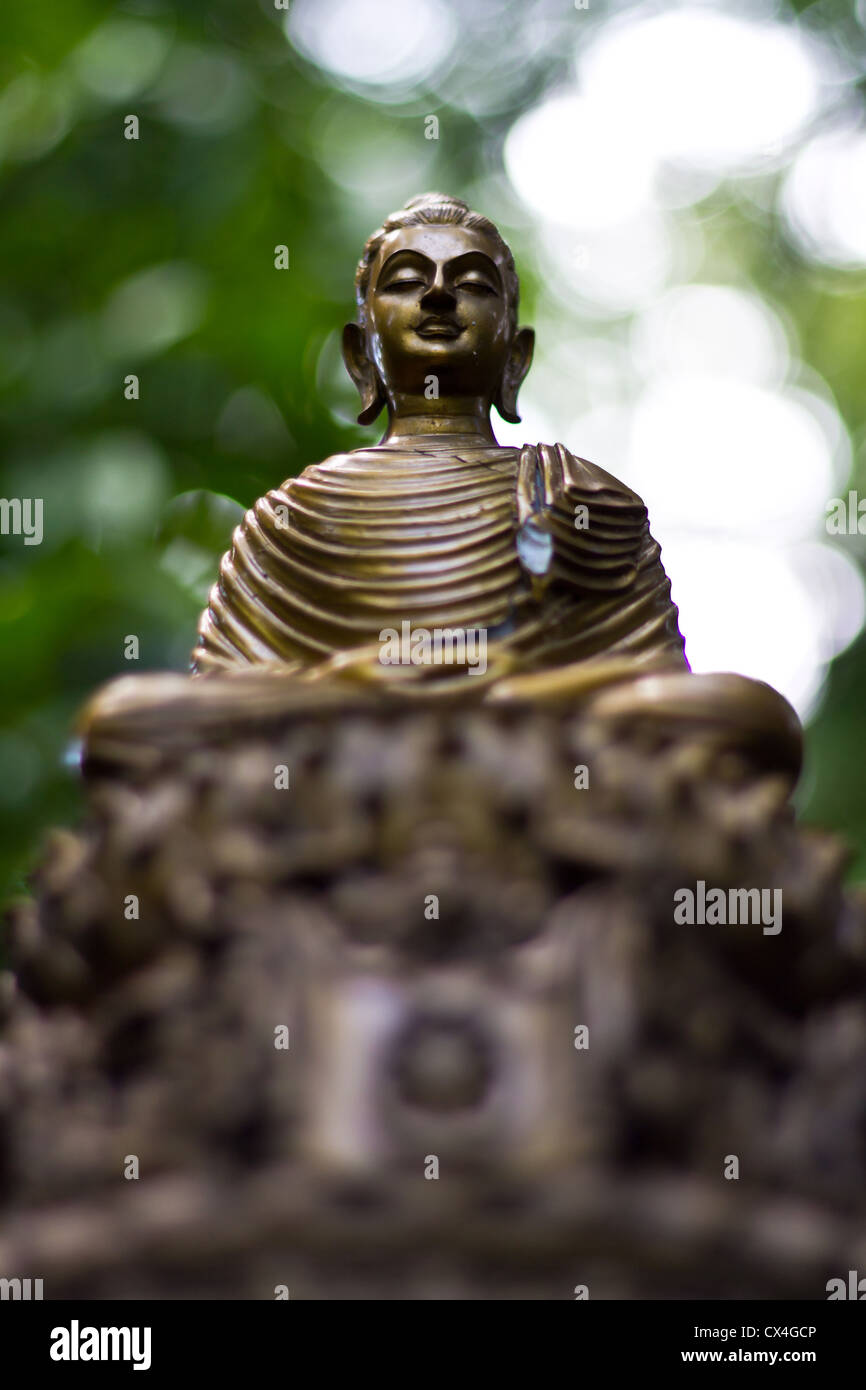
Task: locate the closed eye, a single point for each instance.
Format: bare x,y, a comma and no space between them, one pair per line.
477,287
407,284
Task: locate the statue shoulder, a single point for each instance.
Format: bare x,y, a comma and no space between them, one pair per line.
270,514
334,463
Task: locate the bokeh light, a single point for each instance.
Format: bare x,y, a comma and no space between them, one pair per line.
374,43
824,198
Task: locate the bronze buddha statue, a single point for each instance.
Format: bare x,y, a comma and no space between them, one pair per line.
437,526
437,541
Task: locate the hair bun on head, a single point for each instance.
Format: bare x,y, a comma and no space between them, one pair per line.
434,200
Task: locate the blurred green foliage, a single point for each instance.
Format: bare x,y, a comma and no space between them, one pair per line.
155,257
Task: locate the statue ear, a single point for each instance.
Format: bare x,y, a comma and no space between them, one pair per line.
516,367
363,373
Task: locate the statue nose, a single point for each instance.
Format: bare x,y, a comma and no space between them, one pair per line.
438,297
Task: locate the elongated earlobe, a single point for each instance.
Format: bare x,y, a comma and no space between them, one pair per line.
373,403
519,360
363,373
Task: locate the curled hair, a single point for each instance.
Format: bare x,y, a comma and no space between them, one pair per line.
435,209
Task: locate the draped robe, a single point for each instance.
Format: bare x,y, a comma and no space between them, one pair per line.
546,552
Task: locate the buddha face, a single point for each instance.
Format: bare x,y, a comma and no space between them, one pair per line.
437,307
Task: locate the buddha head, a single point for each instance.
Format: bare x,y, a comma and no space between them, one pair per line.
437,333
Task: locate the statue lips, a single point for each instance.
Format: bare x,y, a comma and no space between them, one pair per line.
435,327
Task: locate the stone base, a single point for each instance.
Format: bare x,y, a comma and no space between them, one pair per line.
474,960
